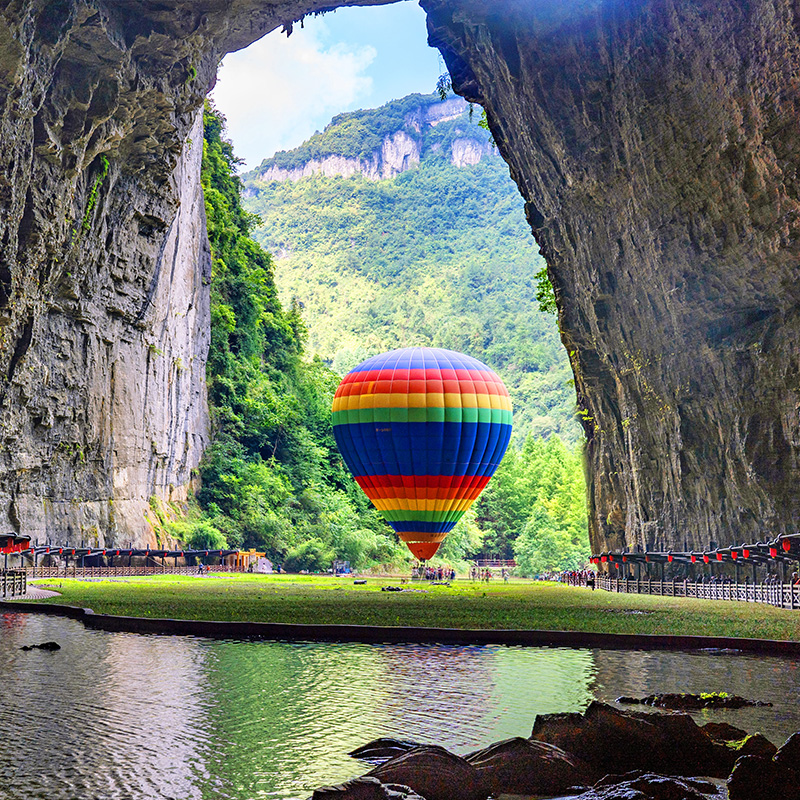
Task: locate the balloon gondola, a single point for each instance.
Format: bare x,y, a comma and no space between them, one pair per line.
422,430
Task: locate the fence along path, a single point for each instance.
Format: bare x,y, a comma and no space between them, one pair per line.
780,595
13,582
75,571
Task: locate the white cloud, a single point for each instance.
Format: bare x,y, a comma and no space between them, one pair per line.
278,91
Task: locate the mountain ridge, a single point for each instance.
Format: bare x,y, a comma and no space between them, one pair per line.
407,130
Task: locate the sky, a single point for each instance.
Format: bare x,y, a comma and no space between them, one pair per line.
280,90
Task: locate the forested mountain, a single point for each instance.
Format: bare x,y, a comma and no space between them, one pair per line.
439,253
273,478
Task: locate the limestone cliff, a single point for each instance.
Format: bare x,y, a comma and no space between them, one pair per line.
103,264
398,150
655,142
397,153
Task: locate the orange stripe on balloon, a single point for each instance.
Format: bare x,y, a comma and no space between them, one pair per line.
425,481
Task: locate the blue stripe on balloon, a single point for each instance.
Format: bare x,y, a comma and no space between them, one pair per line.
394,448
417,358
423,527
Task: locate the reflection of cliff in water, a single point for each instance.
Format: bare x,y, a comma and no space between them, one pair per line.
770,679
115,707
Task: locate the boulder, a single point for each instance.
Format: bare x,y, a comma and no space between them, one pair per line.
789,753
761,778
357,789
434,773
691,702
648,786
382,749
613,741
756,744
522,766
365,788
395,791
723,732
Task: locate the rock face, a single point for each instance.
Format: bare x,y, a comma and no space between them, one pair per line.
612,741
435,774
656,145
104,267
399,151
525,767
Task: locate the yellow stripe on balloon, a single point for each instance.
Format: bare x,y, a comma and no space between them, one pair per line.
354,402
419,504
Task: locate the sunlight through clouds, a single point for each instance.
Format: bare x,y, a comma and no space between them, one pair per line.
278,91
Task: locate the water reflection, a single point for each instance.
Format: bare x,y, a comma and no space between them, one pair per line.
127,716
774,680
104,712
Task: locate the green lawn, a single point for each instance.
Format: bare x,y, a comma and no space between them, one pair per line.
518,604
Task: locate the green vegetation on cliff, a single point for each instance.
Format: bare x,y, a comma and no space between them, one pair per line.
273,478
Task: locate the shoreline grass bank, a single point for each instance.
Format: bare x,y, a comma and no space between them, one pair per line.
325,600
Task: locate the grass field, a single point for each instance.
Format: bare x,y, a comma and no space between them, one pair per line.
326,600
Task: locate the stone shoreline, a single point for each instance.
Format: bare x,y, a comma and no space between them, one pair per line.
602,754
396,635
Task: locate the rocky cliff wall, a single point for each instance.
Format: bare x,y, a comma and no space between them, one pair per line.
399,151
656,143
104,267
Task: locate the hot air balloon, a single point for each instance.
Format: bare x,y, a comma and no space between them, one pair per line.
422,430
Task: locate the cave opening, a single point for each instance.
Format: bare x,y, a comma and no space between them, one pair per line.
288,142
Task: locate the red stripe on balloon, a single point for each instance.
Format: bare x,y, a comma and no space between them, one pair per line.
443,376
425,481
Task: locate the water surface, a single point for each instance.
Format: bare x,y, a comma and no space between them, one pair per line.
118,716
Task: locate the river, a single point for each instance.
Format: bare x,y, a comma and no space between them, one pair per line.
123,716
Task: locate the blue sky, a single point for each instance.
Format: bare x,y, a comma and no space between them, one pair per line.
280,90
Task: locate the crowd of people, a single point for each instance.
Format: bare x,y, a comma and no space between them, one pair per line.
485,574
575,577
440,573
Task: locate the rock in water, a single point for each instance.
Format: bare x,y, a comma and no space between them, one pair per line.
434,773
365,788
51,646
760,778
522,766
648,786
789,754
691,702
614,741
382,749
723,732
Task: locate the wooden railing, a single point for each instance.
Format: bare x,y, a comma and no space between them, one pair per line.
74,571
782,595
12,582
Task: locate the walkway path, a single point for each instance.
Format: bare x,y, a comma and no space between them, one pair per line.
36,593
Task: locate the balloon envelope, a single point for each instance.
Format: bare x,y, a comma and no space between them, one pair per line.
422,430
